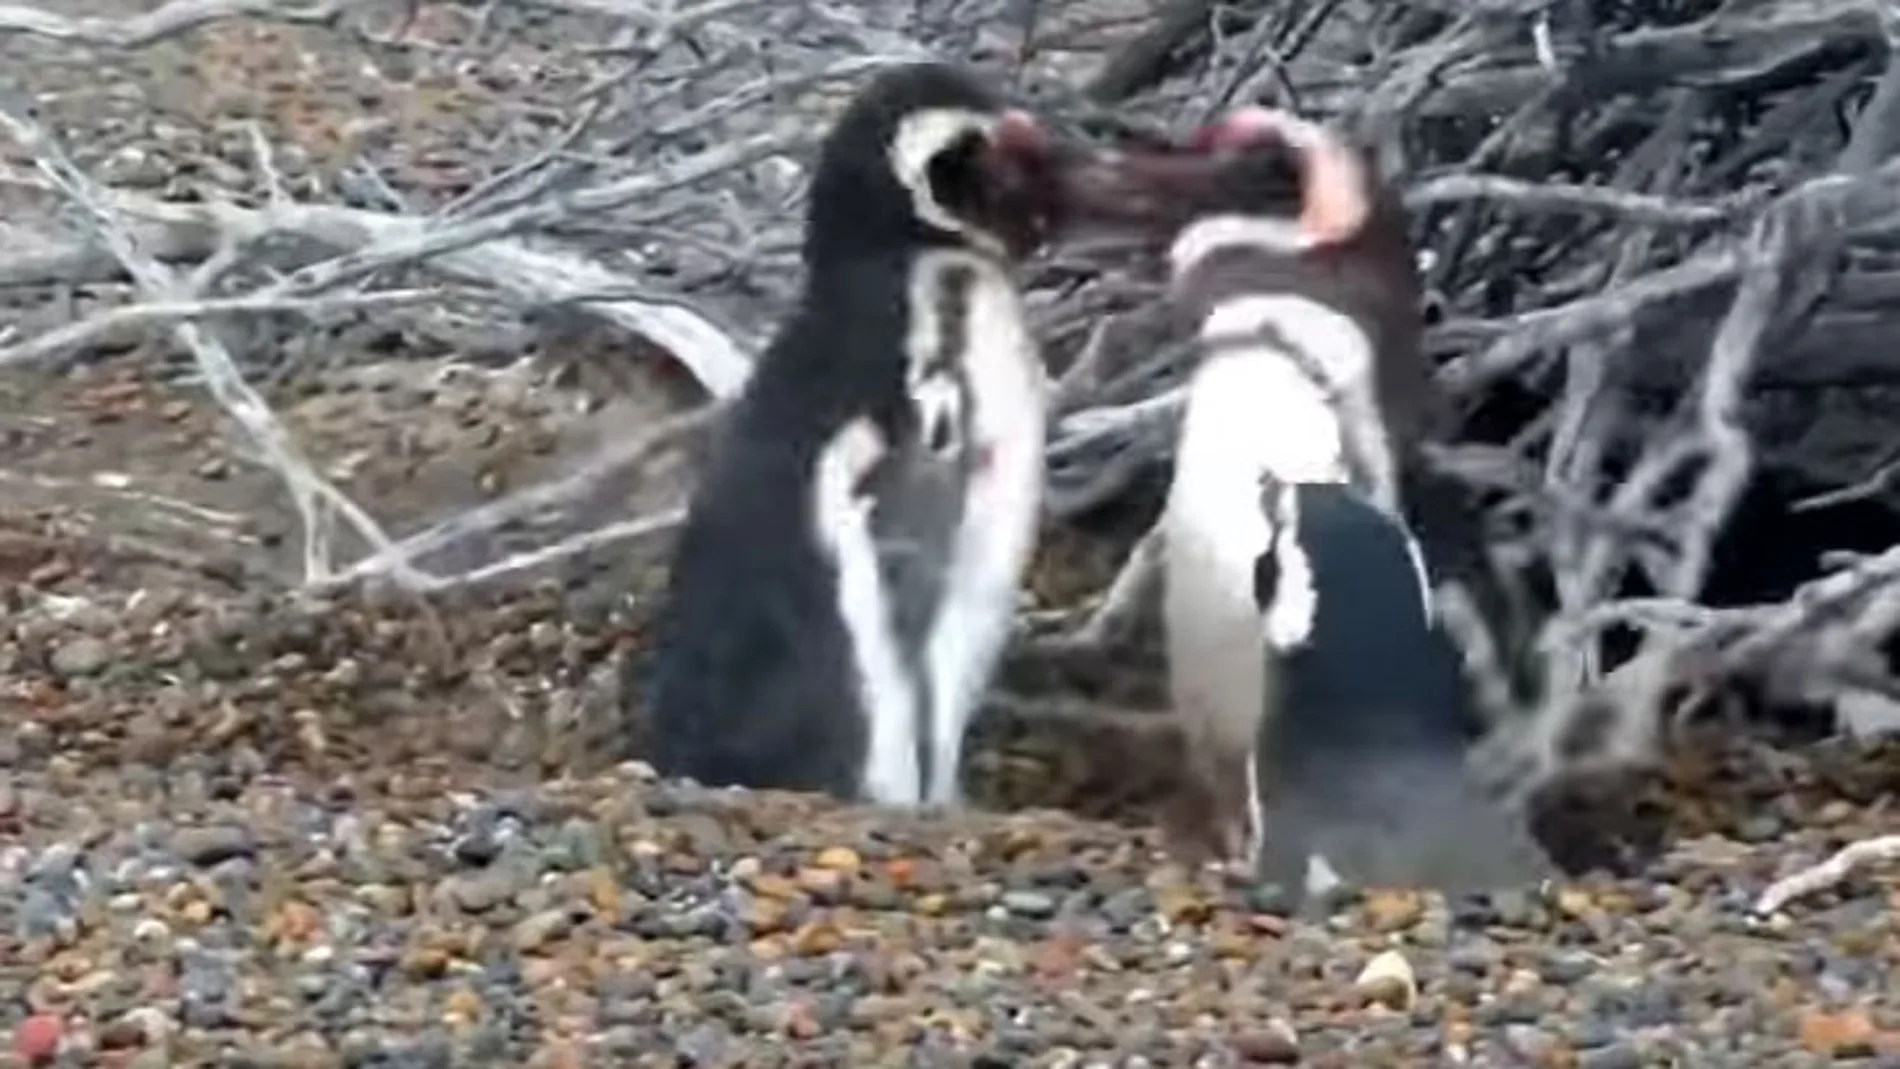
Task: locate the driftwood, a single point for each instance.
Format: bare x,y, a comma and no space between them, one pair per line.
1640,234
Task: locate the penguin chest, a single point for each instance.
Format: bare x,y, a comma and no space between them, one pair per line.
920,507
1249,415
978,383
1000,372
952,510
1219,656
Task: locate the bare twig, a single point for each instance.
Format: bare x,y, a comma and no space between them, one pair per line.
541,276
313,495
624,530
78,334
494,514
1638,208
1830,873
167,20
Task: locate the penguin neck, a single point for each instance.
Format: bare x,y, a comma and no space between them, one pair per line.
1262,400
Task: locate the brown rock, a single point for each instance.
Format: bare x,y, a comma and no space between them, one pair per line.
827,883
424,963
1183,905
902,873
294,922
1847,1034
817,937
1392,911
1274,1044
603,892
772,885
767,916
801,1021
839,859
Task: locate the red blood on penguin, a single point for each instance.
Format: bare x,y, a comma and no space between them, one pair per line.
1018,131
1335,195
1239,129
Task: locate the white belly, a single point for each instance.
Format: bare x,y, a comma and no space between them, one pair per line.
998,529
1250,412
986,556
886,696
1216,643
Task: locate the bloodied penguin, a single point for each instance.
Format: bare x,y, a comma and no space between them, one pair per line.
848,570
1326,708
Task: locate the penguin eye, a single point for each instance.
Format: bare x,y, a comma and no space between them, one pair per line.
957,177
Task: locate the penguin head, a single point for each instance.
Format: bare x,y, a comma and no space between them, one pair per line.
1284,184
927,154
1264,201
1270,164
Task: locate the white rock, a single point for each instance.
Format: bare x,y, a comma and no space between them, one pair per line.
1388,980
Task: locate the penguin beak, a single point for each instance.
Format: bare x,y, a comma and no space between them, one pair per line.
1253,161
1017,164
1146,189
1038,183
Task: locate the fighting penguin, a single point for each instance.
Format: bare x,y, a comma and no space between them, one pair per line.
1327,710
848,569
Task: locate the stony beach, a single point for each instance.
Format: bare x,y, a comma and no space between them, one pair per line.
240,829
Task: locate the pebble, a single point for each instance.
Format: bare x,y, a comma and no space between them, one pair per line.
213,845
374,931
36,1041
82,656
1034,904
1274,1044
1388,979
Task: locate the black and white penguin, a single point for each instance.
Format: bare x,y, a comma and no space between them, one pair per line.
849,567
1327,710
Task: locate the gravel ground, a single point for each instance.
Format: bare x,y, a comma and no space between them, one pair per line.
216,913
237,830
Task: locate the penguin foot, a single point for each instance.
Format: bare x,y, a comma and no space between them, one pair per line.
1202,832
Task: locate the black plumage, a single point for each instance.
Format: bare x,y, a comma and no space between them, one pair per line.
753,677
1290,259
1365,767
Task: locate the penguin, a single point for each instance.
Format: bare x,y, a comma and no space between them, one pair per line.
847,571
1360,774
1328,712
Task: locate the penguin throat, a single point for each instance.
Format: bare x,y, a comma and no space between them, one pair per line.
1275,389
1205,237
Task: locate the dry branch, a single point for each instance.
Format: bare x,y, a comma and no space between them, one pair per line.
167,20
495,237
474,250
1636,208
1830,873
484,518
84,331
314,496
